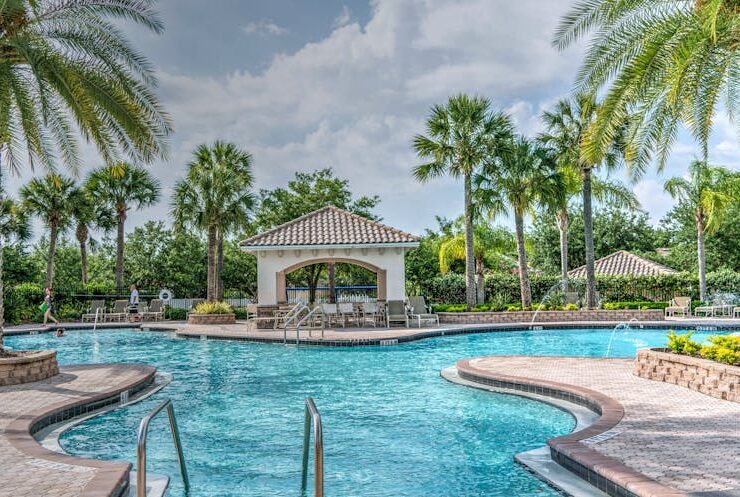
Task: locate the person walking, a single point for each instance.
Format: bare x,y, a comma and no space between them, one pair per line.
46,306
133,304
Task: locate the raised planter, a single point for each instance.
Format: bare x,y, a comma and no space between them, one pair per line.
27,367
550,316
708,377
211,318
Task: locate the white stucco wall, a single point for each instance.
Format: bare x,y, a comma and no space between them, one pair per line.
270,262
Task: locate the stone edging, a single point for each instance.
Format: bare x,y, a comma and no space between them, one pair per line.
605,473
211,318
31,366
711,378
111,478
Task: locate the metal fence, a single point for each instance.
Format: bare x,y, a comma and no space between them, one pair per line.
357,293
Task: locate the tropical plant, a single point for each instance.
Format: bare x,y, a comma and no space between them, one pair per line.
710,191
523,178
67,66
50,198
663,62
216,197
15,224
214,307
87,216
566,127
461,137
118,188
488,241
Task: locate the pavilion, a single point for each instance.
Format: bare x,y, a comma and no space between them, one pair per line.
330,235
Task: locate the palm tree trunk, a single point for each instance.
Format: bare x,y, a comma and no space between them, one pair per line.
2,282
220,267
119,245
82,239
588,227
469,253
332,276
524,285
563,221
701,255
212,257
53,234
480,281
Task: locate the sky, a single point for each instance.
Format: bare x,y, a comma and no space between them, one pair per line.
304,85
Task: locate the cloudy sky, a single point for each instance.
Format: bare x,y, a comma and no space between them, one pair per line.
346,84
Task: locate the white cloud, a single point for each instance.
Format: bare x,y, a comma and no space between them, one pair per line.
653,198
264,27
344,17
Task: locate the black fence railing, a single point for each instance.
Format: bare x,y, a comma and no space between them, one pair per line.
356,293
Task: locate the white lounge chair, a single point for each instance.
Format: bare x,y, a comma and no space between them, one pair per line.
119,312
347,312
330,314
419,311
369,313
97,309
396,312
679,306
155,311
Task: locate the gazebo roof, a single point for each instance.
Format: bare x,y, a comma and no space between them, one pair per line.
330,226
623,263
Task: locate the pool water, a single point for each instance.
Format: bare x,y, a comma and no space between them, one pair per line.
392,425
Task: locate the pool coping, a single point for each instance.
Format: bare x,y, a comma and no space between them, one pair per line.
111,478
605,473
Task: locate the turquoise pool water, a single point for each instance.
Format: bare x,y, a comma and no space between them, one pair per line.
392,426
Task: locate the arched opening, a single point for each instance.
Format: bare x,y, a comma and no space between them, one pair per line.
331,280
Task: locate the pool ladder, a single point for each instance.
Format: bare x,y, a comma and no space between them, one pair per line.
313,424
141,447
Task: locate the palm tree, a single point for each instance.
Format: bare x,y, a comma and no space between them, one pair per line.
66,67
461,136
524,177
216,197
51,199
487,241
710,191
87,216
118,188
664,62
566,128
14,222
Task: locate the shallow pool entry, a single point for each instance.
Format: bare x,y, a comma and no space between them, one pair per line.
392,425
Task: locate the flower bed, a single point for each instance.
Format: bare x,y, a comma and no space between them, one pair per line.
703,375
194,318
25,367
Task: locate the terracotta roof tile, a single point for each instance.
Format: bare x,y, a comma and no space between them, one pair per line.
329,226
623,263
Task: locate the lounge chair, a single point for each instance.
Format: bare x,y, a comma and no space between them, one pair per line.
396,312
419,311
736,312
155,311
679,306
347,312
119,312
97,309
369,312
329,314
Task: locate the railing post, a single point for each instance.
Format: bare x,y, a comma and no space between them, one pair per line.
313,423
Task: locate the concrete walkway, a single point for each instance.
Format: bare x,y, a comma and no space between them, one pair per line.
28,469
678,437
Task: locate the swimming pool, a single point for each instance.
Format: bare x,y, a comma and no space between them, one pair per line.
392,426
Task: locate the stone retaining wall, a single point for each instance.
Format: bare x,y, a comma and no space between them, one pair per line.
708,377
33,366
211,318
550,316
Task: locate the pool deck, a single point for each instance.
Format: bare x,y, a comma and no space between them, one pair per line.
30,470
653,439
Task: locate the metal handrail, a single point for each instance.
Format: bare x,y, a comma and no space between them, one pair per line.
290,319
288,315
141,447
313,423
298,326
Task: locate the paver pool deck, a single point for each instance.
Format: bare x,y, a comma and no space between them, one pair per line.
30,470
687,442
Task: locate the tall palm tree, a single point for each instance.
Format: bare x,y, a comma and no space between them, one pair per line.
523,178
67,66
51,199
15,224
87,216
461,136
119,188
566,128
710,191
216,197
487,241
664,62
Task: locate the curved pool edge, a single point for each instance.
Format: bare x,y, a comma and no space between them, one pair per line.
603,473
111,479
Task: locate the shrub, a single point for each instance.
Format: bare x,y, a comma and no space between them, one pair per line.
725,349
683,344
643,305
175,313
571,307
213,308
241,313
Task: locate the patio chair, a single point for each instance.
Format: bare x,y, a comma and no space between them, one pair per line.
347,312
679,305
119,312
369,313
329,314
97,309
420,312
155,311
396,312
736,312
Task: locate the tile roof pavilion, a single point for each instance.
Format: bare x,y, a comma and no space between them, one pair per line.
623,263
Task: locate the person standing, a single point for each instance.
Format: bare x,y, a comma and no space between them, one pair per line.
133,304
48,301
